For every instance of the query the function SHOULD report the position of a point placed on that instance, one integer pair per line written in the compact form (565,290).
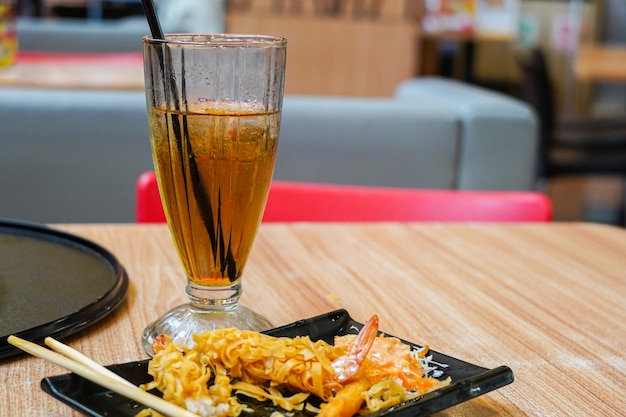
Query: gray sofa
(79,35)
(116,35)
(74,156)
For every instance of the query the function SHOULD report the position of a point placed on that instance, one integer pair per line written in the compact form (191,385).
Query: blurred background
(365,48)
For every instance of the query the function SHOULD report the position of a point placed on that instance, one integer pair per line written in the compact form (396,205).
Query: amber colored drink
(214,108)
(214,168)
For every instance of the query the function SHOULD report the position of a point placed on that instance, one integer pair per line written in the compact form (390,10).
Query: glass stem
(214,298)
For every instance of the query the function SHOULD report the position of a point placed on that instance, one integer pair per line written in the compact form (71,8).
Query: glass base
(183,321)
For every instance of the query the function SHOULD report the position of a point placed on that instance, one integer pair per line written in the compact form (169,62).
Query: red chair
(295,202)
(148,204)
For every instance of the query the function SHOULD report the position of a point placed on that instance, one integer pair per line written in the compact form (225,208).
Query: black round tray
(53,283)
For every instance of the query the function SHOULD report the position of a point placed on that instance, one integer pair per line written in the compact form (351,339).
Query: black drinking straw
(227,260)
(153,19)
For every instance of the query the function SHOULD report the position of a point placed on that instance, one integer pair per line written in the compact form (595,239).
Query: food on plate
(358,373)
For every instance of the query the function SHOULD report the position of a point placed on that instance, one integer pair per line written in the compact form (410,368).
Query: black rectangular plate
(468,380)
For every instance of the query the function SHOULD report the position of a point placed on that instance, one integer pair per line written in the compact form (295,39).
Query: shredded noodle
(290,372)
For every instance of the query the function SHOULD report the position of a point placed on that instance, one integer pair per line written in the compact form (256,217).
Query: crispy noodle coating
(286,371)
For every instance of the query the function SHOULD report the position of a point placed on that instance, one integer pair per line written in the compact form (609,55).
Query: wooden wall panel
(337,54)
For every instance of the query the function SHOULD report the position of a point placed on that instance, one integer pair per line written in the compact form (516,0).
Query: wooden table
(122,71)
(600,64)
(545,299)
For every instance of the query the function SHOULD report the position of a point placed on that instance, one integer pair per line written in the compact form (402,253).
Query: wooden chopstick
(94,372)
(68,352)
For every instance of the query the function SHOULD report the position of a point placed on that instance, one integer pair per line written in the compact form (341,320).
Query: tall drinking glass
(214,106)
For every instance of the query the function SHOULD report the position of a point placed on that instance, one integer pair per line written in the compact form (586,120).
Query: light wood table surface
(122,71)
(600,64)
(545,299)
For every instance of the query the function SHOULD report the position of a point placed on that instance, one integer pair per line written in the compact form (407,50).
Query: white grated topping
(430,367)
(207,407)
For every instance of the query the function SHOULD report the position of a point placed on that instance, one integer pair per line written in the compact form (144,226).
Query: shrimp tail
(346,366)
